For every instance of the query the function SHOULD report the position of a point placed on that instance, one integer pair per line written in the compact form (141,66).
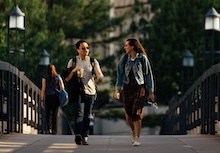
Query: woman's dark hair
(79,42)
(137,46)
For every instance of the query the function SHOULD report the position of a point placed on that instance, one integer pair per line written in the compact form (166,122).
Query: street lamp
(45,58)
(16,23)
(187,70)
(44,62)
(42,66)
(212,23)
(188,59)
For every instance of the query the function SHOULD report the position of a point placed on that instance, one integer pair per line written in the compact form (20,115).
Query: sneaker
(85,141)
(78,139)
(136,142)
(132,137)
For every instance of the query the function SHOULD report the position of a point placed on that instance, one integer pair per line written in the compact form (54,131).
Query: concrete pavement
(27,143)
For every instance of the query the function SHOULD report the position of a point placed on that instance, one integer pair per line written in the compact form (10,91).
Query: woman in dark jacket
(51,84)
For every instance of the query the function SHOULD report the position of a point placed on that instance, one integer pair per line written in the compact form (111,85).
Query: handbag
(63,98)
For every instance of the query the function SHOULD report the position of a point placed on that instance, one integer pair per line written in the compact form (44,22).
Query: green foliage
(51,25)
(152,120)
(177,26)
(80,18)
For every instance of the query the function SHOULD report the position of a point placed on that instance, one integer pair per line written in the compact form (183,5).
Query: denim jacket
(122,75)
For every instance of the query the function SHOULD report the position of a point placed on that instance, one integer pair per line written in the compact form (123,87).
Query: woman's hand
(140,112)
(151,97)
(117,94)
(77,68)
(42,104)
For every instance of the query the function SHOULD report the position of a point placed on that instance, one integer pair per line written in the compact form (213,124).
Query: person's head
(51,70)
(82,48)
(134,45)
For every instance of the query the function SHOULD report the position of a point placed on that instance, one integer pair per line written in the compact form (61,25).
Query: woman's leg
(129,121)
(54,113)
(48,109)
(137,127)
(131,124)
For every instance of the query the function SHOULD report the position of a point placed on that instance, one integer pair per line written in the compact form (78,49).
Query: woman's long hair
(51,71)
(137,46)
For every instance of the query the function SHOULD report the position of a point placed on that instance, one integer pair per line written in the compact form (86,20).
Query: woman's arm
(120,73)
(98,71)
(43,89)
(74,70)
(61,84)
(150,80)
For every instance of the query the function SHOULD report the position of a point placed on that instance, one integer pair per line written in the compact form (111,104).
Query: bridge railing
(198,110)
(20,109)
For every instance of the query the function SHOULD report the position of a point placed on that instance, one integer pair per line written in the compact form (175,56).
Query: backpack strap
(74,62)
(92,62)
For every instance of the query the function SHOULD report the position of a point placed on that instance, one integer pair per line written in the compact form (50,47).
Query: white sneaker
(136,142)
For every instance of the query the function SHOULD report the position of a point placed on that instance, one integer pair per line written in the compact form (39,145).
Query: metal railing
(198,111)
(20,109)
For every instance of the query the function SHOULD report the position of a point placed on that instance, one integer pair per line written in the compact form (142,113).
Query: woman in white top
(83,91)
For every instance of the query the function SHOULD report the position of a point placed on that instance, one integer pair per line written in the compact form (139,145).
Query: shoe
(132,137)
(78,139)
(85,141)
(136,142)
(49,131)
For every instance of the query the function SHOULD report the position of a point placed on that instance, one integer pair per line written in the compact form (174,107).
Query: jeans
(81,112)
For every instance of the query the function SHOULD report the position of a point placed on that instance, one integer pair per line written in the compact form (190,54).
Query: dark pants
(51,106)
(91,129)
(81,113)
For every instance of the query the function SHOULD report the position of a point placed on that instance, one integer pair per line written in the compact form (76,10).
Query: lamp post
(16,24)
(44,62)
(187,70)
(212,24)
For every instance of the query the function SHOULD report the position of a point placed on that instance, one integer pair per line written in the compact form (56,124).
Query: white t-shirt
(87,78)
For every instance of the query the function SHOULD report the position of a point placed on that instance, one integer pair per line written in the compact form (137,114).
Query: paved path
(22,143)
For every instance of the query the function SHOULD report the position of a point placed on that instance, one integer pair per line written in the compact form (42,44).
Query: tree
(177,26)
(53,24)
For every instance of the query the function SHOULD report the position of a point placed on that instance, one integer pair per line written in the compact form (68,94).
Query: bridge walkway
(27,143)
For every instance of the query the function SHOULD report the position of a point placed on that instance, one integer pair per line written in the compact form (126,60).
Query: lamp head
(16,19)
(188,59)
(45,58)
(212,20)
